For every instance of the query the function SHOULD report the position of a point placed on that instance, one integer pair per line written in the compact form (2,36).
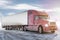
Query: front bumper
(52,28)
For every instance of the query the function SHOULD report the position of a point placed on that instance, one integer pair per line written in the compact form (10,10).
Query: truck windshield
(41,17)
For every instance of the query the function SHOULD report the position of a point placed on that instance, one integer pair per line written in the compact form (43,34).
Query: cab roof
(35,12)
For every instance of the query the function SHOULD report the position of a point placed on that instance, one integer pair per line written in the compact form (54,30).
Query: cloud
(1,14)
(34,7)
(24,6)
(11,13)
(4,3)
(54,12)
(55,9)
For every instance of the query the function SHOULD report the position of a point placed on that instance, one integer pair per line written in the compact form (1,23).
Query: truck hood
(51,20)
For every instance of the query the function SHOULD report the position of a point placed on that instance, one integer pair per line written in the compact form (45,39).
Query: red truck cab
(38,21)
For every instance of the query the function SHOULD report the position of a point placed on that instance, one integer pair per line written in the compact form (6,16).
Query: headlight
(46,25)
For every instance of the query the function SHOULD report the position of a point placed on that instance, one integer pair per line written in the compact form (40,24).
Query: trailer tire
(40,29)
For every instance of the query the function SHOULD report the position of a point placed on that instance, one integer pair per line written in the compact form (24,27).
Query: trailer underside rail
(14,27)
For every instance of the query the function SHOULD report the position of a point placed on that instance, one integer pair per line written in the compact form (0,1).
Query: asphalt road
(23,35)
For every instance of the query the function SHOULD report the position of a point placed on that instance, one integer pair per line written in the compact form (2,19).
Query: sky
(10,7)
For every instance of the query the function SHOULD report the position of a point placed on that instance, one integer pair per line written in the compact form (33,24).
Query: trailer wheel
(40,29)
(6,28)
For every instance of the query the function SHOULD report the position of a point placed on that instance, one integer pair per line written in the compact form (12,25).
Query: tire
(24,29)
(6,28)
(40,29)
(53,31)
(21,28)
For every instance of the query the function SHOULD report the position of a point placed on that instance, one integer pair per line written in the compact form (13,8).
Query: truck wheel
(21,28)
(53,31)
(40,29)
(24,29)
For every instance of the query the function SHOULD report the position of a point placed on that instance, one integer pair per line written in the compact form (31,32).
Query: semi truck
(32,20)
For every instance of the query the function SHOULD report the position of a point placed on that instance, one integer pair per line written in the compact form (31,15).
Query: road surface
(23,35)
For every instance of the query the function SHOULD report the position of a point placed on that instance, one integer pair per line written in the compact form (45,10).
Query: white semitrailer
(17,19)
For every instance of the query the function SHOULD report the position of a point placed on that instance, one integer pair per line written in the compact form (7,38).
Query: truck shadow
(38,32)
